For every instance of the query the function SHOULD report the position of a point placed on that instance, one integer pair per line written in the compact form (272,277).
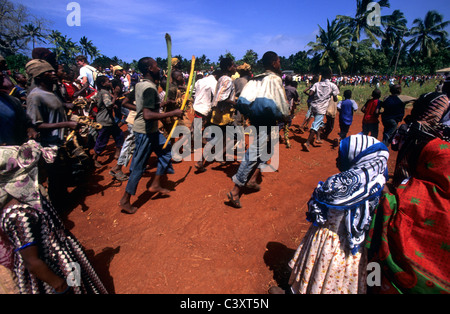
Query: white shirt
(204,92)
(85,72)
(323,91)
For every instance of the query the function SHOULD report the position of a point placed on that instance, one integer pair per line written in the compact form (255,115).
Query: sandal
(234,203)
(119,175)
(200,168)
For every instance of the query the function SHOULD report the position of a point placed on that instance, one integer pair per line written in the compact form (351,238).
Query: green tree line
(346,44)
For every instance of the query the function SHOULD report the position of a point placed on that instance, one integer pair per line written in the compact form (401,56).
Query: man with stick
(148,139)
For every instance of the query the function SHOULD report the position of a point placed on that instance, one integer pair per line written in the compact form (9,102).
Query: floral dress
(323,264)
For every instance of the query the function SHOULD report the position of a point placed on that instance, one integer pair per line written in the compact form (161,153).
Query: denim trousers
(254,157)
(146,144)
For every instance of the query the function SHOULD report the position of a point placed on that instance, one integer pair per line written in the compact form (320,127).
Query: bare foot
(127,208)
(159,189)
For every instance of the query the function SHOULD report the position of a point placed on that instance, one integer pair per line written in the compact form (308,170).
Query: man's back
(204,91)
(264,100)
(394,108)
(323,91)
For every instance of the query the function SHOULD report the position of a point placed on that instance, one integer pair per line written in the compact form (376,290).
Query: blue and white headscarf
(356,189)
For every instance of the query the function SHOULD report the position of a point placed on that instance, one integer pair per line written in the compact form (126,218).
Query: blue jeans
(145,145)
(253,157)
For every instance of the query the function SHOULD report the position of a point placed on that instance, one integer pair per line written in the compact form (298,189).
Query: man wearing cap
(47,112)
(44,107)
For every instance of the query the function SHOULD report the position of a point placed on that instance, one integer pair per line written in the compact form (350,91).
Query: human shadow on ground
(101,263)
(165,182)
(277,257)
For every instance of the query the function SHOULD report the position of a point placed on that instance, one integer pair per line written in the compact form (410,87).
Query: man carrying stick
(148,139)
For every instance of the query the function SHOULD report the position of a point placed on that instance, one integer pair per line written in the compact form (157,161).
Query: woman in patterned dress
(46,257)
(331,258)
(409,238)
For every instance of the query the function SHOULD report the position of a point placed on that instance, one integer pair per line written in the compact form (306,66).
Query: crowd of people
(371,80)
(56,121)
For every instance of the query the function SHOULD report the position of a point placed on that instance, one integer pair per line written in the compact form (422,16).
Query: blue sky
(131,29)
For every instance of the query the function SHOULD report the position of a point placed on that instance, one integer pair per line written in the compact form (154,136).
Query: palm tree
(34,33)
(332,44)
(88,48)
(426,33)
(359,24)
(394,31)
(94,52)
(65,49)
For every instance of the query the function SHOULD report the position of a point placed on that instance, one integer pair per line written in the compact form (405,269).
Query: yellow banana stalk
(186,96)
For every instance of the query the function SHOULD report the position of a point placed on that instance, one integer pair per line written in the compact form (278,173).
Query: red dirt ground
(191,242)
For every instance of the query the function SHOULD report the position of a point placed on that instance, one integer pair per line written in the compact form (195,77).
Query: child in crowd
(371,111)
(346,109)
(105,103)
(308,116)
(392,113)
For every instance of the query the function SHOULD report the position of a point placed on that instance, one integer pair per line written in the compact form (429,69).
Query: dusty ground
(192,241)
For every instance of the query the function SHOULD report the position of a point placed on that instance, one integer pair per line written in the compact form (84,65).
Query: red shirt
(369,115)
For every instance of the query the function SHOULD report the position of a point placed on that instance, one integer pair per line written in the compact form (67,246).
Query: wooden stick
(186,95)
(169,64)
